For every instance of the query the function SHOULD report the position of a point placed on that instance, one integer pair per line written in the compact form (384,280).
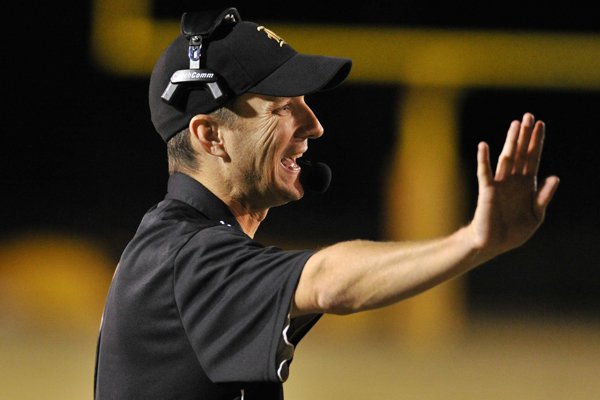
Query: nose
(309,125)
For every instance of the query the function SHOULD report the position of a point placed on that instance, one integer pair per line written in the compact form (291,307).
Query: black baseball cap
(235,57)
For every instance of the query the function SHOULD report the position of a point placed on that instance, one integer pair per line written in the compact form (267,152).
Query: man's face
(268,138)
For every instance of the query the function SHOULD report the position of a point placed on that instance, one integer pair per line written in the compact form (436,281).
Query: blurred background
(82,164)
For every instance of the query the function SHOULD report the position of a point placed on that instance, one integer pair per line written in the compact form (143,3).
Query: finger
(535,149)
(484,169)
(545,195)
(507,157)
(523,143)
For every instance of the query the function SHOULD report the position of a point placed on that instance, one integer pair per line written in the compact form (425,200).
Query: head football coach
(198,309)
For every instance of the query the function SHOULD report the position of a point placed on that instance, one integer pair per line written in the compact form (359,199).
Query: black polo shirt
(197,309)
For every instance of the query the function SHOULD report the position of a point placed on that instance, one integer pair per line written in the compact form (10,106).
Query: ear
(205,132)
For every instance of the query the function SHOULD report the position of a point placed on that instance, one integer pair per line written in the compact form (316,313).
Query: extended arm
(359,275)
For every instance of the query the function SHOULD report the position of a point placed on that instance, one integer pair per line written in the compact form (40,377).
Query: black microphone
(315,176)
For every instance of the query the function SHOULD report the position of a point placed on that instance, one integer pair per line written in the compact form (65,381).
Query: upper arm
(306,298)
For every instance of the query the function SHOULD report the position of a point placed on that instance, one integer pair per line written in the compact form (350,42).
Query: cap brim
(304,74)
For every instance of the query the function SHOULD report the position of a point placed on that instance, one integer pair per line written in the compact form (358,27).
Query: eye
(285,109)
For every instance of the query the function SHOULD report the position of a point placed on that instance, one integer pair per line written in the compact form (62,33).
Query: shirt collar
(184,188)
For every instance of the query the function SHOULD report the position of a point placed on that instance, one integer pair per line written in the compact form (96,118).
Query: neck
(247,216)
(249,219)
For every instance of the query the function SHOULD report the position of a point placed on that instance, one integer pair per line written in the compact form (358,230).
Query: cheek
(268,151)
(269,156)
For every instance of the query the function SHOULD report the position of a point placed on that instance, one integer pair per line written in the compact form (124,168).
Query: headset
(197,28)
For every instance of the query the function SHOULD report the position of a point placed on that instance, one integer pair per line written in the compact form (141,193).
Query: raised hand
(510,205)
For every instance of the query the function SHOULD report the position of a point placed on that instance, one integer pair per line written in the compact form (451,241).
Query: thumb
(544,196)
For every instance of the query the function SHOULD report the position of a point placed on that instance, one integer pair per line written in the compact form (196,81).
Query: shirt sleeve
(234,297)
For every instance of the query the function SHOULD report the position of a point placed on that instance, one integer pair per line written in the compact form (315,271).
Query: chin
(298,189)
(288,195)
(298,194)
(289,188)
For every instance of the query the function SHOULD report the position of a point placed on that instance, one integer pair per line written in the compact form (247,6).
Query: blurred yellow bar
(425,198)
(126,40)
(433,57)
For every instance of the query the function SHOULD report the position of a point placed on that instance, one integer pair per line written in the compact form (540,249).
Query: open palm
(510,205)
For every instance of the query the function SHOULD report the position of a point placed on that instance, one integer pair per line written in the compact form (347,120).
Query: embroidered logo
(272,35)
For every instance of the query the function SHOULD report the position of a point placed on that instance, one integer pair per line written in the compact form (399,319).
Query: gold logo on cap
(272,35)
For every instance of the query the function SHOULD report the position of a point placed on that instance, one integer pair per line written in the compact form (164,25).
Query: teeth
(290,163)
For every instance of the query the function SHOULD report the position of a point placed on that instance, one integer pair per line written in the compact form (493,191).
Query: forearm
(359,275)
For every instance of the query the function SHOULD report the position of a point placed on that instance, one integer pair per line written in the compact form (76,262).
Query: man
(199,310)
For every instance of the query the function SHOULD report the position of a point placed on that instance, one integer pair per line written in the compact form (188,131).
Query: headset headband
(197,28)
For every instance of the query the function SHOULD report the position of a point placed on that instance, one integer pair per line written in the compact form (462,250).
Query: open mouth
(289,162)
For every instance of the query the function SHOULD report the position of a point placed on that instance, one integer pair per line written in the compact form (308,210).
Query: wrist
(476,247)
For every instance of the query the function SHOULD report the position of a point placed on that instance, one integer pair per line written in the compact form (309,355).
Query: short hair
(181,155)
